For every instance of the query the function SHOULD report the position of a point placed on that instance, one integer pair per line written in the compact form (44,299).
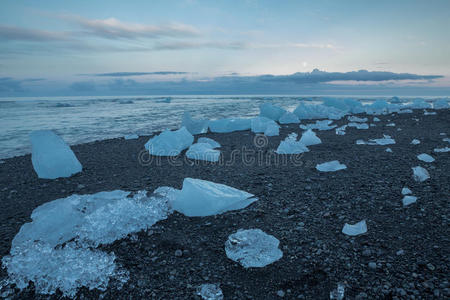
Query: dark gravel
(404,254)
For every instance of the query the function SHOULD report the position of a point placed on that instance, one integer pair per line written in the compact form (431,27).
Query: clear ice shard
(355,229)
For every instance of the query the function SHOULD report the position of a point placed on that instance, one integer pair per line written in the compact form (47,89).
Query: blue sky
(192,46)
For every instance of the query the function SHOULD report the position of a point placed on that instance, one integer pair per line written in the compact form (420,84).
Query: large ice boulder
(203,151)
(318,111)
(253,248)
(271,111)
(51,156)
(309,138)
(194,126)
(440,104)
(199,198)
(289,118)
(229,125)
(170,143)
(259,124)
(290,145)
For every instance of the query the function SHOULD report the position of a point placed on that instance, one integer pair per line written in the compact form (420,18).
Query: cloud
(125,74)
(83,86)
(10,33)
(8,85)
(196,45)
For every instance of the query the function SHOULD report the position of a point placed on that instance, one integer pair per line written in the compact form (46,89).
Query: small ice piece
(415,142)
(356,119)
(199,198)
(210,291)
(203,151)
(320,125)
(391,125)
(259,124)
(429,113)
(358,125)
(229,125)
(338,293)
(170,143)
(388,150)
(131,136)
(425,157)
(375,119)
(331,166)
(356,229)
(206,140)
(441,150)
(360,142)
(341,130)
(289,118)
(271,111)
(446,140)
(420,174)
(309,138)
(51,156)
(407,200)
(272,129)
(253,248)
(406,191)
(194,126)
(290,145)
(386,140)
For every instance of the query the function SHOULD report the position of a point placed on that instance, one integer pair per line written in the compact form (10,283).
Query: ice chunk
(406,191)
(357,119)
(388,150)
(395,99)
(420,174)
(347,105)
(203,151)
(209,141)
(288,118)
(358,125)
(440,150)
(405,111)
(341,130)
(415,142)
(386,140)
(320,125)
(356,229)
(272,129)
(330,166)
(361,142)
(170,143)
(309,138)
(446,140)
(391,125)
(425,157)
(200,198)
(51,156)
(375,119)
(338,293)
(419,103)
(194,126)
(407,200)
(229,125)
(441,103)
(253,248)
(319,111)
(291,146)
(271,111)
(429,113)
(210,291)
(131,137)
(259,124)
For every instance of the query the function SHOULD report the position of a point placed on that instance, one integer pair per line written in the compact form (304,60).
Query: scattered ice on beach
(210,291)
(320,125)
(415,142)
(271,111)
(290,145)
(289,118)
(309,138)
(388,150)
(420,103)
(170,143)
(229,125)
(272,129)
(209,141)
(375,119)
(203,151)
(194,126)
(391,125)
(131,136)
(338,293)
(406,191)
(200,198)
(331,166)
(441,150)
(420,174)
(356,229)
(407,200)
(425,157)
(356,119)
(259,124)
(51,156)
(358,125)
(253,248)
(341,130)
(318,111)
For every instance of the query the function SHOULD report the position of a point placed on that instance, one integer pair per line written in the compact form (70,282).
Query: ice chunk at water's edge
(194,126)
(170,143)
(271,111)
(356,229)
(289,118)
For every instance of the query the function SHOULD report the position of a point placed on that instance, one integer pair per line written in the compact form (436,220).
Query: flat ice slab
(420,174)
(203,151)
(290,145)
(309,138)
(331,166)
(170,143)
(358,125)
(199,198)
(51,156)
(425,157)
(356,119)
(356,229)
(441,150)
(131,136)
(253,248)
(407,200)
(386,140)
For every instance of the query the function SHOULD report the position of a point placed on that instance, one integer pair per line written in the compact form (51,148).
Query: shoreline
(303,208)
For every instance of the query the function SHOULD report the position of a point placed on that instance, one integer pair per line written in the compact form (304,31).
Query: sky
(65,48)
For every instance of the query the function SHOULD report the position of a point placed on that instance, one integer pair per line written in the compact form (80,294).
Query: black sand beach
(404,254)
